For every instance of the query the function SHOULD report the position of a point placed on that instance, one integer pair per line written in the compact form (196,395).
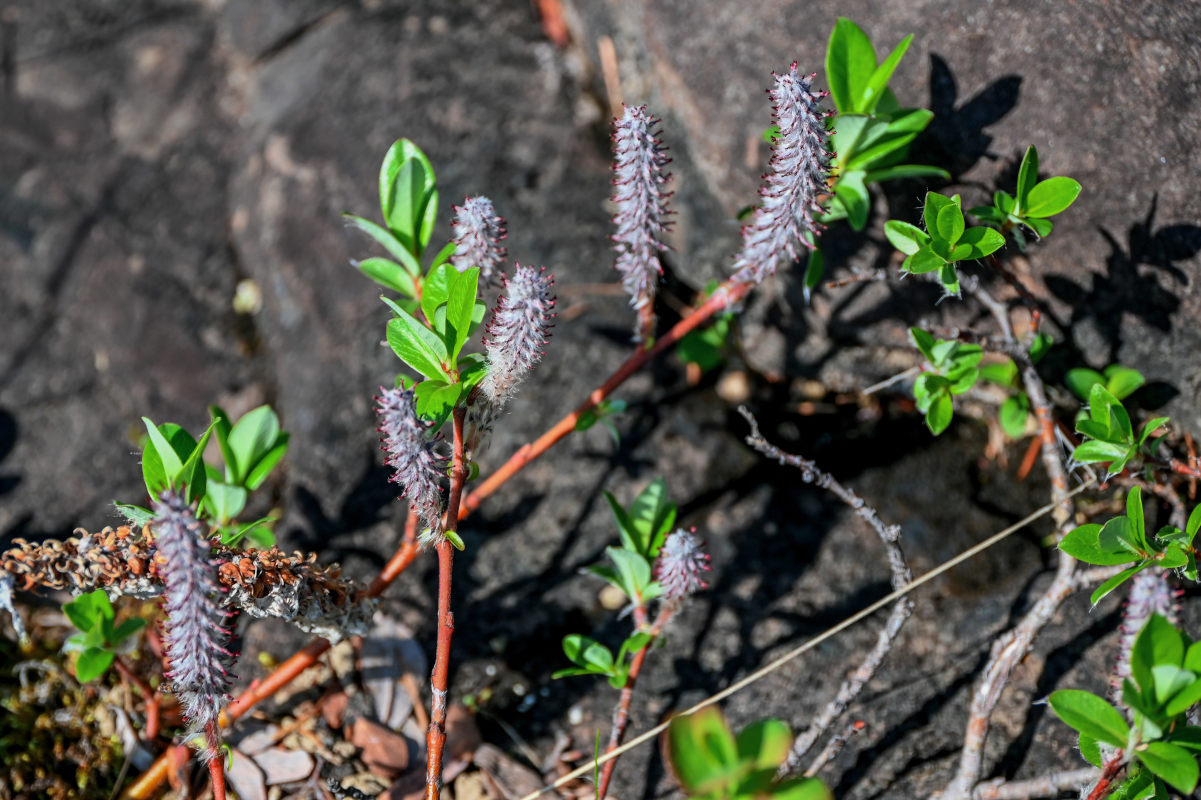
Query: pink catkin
(478,232)
(410,451)
(640,203)
(681,562)
(789,205)
(196,636)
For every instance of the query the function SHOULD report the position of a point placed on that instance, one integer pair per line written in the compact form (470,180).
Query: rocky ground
(156,155)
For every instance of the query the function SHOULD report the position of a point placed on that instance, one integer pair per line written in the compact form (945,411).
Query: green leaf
(89,610)
(981,242)
(1013,415)
(924,260)
(815,267)
(444,255)
(702,752)
(1041,227)
(1099,453)
(250,439)
(1050,197)
(1174,764)
(1081,380)
(389,242)
(417,345)
(1194,523)
(1134,513)
(1040,347)
(1117,534)
(1123,381)
(135,515)
(949,279)
(1027,177)
(647,514)
(633,570)
(1185,698)
(765,743)
(949,223)
(625,526)
(192,473)
(873,90)
(389,274)
(1004,202)
(1090,748)
(934,205)
(905,237)
(850,64)
(1159,643)
(163,455)
(221,428)
(939,415)
(436,400)
(459,308)
(923,341)
(1091,715)
(1004,373)
(436,289)
(1151,427)
(92,663)
(1083,543)
(127,628)
(224,501)
(906,171)
(408,195)
(851,192)
(570,672)
(588,653)
(262,468)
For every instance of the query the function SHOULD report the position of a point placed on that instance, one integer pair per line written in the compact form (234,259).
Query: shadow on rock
(1125,289)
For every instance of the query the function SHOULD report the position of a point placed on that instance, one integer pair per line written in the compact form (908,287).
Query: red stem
(152,711)
(1108,773)
(216,761)
(435,737)
(621,717)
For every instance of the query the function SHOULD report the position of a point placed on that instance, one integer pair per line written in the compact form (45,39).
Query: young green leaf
(1091,715)
(1027,177)
(251,438)
(417,345)
(873,90)
(949,223)
(408,195)
(192,473)
(940,413)
(980,242)
(389,242)
(1013,415)
(1177,766)
(905,237)
(92,663)
(702,753)
(588,653)
(459,307)
(1082,543)
(851,192)
(389,274)
(850,64)
(1050,197)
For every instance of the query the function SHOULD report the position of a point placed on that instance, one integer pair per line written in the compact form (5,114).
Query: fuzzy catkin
(796,177)
(519,329)
(640,203)
(478,231)
(410,451)
(196,636)
(681,561)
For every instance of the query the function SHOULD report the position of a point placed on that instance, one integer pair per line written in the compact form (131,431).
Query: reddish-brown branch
(621,715)
(216,761)
(152,711)
(1110,771)
(726,295)
(435,737)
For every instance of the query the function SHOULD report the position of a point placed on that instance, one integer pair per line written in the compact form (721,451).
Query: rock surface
(155,155)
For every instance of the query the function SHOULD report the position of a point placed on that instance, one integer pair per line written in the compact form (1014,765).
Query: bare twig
(890,535)
(900,376)
(621,714)
(1045,786)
